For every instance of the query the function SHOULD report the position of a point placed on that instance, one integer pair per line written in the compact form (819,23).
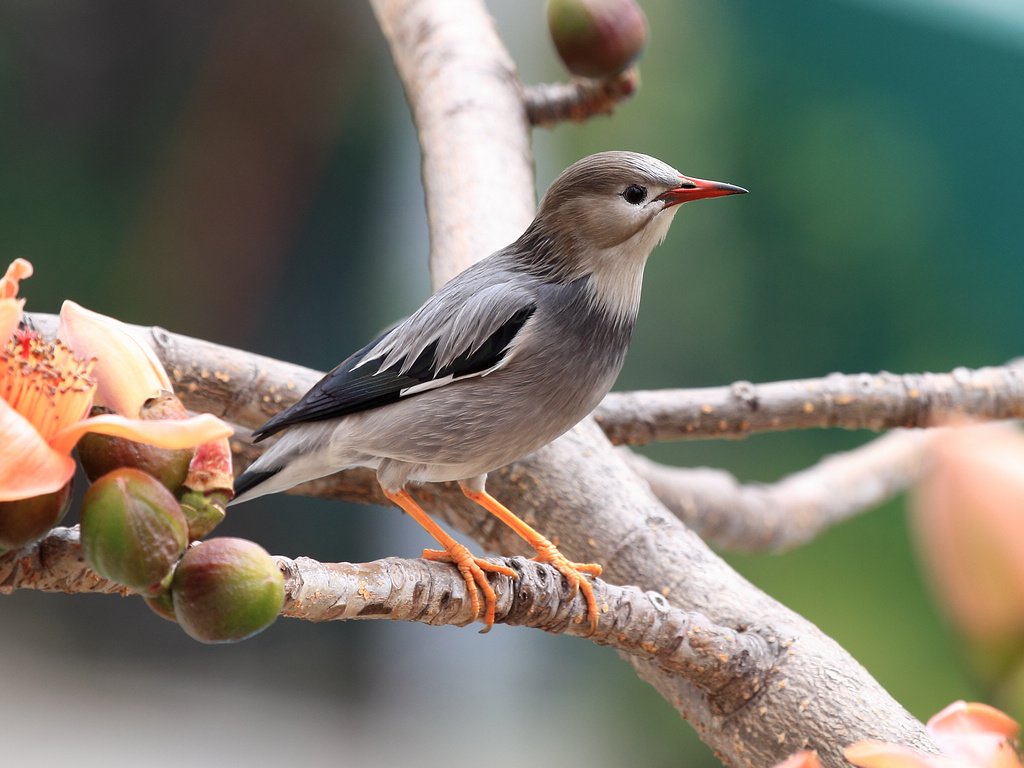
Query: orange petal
(972,732)
(10,316)
(1006,757)
(127,371)
(17,271)
(805,758)
(878,754)
(28,465)
(165,434)
(973,717)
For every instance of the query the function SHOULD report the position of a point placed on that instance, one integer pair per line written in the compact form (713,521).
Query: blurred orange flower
(969,735)
(968,516)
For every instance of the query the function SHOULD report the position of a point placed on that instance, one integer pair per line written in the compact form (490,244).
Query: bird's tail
(249,481)
(300,455)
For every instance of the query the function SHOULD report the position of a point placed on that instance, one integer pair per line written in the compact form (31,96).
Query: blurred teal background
(247,172)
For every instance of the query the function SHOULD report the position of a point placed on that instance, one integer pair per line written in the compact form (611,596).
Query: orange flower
(45,393)
(969,735)
(127,371)
(968,516)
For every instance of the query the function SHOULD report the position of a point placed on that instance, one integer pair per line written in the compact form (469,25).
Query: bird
(503,359)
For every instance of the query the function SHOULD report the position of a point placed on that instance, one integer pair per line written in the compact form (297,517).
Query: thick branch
(580,99)
(852,401)
(731,667)
(467,102)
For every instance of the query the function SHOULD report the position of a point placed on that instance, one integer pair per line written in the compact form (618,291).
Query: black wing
(355,386)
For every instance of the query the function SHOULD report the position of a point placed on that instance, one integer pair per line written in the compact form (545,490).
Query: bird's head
(604,214)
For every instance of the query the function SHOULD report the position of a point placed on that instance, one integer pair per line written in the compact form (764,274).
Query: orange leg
(546,551)
(472,568)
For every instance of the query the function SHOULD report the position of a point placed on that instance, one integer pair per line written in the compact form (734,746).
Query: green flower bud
(162,605)
(100,454)
(226,590)
(597,38)
(203,511)
(25,520)
(133,531)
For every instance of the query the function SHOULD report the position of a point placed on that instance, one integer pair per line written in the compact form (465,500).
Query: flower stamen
(45,383)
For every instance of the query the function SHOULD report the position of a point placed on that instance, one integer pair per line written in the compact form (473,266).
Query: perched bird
(506,357)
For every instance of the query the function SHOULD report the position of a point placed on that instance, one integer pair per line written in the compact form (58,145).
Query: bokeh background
(247,172)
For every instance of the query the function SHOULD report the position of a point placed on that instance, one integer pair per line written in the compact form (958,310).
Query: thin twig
(579,99)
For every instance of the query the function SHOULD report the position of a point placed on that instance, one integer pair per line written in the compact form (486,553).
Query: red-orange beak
(695,189)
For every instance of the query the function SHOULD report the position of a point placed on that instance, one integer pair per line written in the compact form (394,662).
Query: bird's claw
(573,572)
(474,572)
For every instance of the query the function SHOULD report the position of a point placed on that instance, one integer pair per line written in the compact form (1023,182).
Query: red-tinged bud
(100,454)
(25,520)
(226,590)
(597,38)
(203,511)
(211,470)
(133,531)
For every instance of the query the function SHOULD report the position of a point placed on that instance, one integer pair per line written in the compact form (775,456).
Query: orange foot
(573,572)
(546,551)
(473,570)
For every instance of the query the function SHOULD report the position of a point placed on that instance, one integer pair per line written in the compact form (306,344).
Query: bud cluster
(138,519)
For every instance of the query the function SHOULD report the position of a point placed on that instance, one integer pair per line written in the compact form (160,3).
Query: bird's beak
(695,189)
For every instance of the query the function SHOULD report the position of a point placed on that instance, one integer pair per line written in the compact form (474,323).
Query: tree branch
(730,666)
(580,99)
(796,509)
(467,102)
(851,401)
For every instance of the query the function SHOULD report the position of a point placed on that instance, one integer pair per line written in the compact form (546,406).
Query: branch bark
(580,99)
(729,666)
(851,401)
(794,511)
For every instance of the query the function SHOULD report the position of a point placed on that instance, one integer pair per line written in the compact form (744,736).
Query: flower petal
(878,754)
(28,465)
(127,371)
(165,434)
(17,271)
(972,732)
(805,758)
(10,316)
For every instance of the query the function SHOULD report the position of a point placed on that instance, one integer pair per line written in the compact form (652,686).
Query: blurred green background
(247,172)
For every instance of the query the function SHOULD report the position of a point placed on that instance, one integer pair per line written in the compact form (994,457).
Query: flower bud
(25,520)
(597,38)
(100,454)
(133,531)
(162,605)
(226,590)
(203,511)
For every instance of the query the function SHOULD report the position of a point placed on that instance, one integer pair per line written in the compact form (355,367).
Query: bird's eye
(634,194)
